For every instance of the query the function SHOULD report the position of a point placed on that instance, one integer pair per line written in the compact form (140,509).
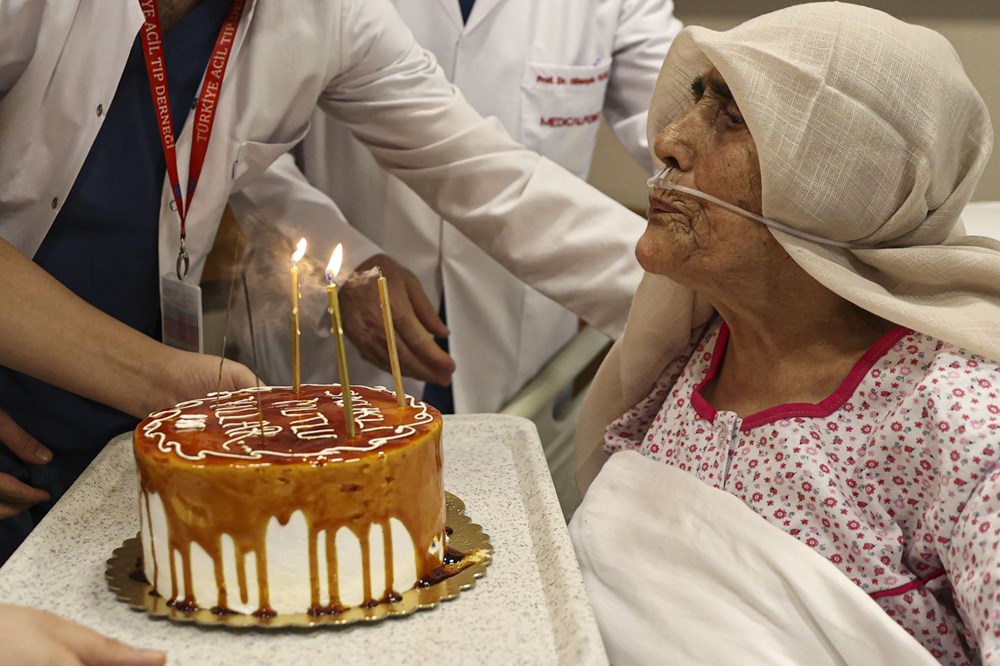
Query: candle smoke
(266,266)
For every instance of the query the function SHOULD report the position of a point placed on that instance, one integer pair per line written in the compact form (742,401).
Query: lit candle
(300,251)
(337,329)
(390,338)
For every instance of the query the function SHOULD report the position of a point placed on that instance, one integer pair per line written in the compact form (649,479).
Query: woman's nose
(674,144)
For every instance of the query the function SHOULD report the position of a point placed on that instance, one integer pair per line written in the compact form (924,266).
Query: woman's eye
(726,119)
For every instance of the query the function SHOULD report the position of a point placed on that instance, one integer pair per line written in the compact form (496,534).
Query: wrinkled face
(710,148)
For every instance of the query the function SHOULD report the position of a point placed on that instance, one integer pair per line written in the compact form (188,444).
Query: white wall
(972,26)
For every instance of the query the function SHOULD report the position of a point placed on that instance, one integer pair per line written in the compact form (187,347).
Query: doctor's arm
(646,28)
(282,198)
(49,333)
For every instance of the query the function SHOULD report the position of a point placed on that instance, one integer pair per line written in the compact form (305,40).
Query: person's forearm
(47,332)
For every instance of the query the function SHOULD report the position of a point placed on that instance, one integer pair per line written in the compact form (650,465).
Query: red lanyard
(204,118)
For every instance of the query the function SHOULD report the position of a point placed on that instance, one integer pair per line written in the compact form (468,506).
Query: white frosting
(194,422)
(287,554)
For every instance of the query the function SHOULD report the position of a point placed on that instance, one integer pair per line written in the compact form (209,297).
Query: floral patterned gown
(893,478)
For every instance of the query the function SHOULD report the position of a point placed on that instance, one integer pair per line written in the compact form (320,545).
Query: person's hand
(29,636)
(189,375)
(15,496)
(199,375)
(414,317)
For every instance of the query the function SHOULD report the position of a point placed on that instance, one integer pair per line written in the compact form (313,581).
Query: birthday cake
(257,501)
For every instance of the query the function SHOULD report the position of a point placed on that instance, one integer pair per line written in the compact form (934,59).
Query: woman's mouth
(658,206)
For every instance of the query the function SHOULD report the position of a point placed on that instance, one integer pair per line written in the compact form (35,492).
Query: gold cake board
(463,535)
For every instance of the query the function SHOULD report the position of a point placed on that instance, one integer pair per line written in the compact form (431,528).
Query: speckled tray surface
(463,535)
(533,610)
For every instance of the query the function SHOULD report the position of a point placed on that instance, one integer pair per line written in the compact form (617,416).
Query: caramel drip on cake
(263,591)
(241,576)
(185,552)
(333,583)
(219,478)
(366,567)
(220,579)
(389,592)
(173,576)
(313,570)
(144,524)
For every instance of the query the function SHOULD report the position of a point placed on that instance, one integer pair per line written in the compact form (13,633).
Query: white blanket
(682,573)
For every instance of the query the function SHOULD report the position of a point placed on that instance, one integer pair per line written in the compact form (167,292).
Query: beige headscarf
(868,131)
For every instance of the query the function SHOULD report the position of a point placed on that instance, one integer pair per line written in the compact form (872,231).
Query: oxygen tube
(661,181)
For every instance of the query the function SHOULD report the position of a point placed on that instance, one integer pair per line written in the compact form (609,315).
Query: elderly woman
(815,342)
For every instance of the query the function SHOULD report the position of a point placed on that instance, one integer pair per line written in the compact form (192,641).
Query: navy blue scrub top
(103,247)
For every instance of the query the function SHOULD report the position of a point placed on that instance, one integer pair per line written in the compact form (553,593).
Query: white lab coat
(546,69)
(60,62)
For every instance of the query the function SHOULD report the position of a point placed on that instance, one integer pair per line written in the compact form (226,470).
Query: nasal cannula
(662,181)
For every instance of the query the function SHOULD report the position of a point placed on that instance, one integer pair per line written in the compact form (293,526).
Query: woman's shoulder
(941,360)
(949,413)
(950,394)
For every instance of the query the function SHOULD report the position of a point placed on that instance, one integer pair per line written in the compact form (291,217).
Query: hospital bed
(552,400)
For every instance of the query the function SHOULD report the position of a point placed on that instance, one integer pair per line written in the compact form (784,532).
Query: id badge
(180,305)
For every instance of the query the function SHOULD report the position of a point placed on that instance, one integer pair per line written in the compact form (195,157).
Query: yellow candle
(300,251)
(390,339)
(337,330)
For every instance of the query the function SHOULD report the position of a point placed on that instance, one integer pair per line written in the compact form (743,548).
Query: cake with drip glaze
(256,501)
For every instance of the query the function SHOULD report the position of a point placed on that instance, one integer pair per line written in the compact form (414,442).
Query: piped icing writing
(305,426)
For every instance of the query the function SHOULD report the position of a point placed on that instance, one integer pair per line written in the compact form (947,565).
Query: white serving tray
(530,608)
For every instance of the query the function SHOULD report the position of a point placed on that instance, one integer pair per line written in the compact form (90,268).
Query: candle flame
(336,259)
(300,251)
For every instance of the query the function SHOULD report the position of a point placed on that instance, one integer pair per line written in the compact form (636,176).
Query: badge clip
(183,262)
